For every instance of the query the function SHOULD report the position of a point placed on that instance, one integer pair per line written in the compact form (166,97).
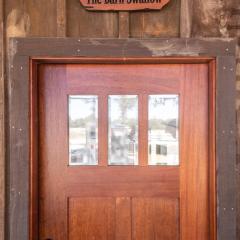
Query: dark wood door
(124,152)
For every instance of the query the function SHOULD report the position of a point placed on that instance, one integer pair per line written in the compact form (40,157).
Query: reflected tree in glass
(83,130)
(163,117)
(123,130)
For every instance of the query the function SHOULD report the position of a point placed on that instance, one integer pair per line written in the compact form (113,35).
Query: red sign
(122,5)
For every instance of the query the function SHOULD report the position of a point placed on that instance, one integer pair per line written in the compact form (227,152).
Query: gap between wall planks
(2,135)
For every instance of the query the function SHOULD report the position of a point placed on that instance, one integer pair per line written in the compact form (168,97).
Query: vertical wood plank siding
(67,18)
(61,18)
(81,23)
(220,19)
(186,18)
(123,25)
(164,23)
(2,134)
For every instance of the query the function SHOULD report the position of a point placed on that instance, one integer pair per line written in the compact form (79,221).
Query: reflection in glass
(83,130)
(123,130)
(163,130)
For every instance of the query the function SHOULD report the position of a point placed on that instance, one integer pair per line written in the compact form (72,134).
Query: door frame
(22,146)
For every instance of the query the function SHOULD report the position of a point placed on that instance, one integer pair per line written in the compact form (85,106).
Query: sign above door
(122,5)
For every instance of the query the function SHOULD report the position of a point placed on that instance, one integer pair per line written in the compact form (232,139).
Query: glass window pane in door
(83,130)
(123,130)
(163,131)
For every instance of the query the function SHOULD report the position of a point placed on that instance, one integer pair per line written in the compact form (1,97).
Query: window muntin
(163,131)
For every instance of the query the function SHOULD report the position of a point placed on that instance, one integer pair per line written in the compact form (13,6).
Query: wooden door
(124,152)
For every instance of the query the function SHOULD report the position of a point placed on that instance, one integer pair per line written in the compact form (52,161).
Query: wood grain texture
(2,124)
(81,23)
(123,24)
(238,174)
(124,47)
(123,221)
(18,191)
(123,5)
(226,183)
(202,48)
(143,130)
(238,138)
(52,159)
(155,218)
(164,23)
(219,18)
(58,81)
(92,218)
(234,30)
(120,182)
(100,218)
(28,18)
(103,137)
(186,18)
(194,196)
(212,149)
(114,76)
(33,167)
(234,22)
(123,218)
(211,18)
(23,18)
(61,18)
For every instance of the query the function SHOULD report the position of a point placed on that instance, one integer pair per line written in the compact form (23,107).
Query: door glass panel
(163,144)
(83,130)
(123,130)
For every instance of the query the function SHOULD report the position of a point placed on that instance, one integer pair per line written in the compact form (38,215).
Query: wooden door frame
(27,53)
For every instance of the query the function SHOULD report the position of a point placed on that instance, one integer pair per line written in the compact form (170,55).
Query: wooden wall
(66,18)
(212,18)
(2,147)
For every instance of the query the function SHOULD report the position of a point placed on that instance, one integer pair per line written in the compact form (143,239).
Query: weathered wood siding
(164,23)
(2,148)
(213,18)
(81,23)
(60,18)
